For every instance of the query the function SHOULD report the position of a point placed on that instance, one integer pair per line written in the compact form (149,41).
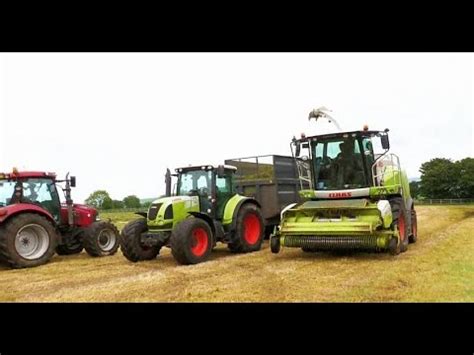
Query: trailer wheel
(191,241)
(131,246)
(101,239)
(250,230)
(27,240)
(399,221)
(414,227)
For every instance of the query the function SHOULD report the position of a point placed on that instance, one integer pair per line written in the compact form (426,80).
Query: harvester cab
(354,196)
(34,224)
(202,210)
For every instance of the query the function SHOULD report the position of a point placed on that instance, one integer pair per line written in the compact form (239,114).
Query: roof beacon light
(303,135)
(366,127)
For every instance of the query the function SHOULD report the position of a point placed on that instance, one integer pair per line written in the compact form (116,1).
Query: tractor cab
(213,185)
(342,161)
(39,189)
(34,188)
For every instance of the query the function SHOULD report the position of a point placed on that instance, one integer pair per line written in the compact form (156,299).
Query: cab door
(224,190)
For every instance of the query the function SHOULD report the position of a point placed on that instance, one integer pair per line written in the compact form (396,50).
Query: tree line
(101,199)
(445,179)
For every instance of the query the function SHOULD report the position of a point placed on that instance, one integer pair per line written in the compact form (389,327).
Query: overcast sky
(117,120)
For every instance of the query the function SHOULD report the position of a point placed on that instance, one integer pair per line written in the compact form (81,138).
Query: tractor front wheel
(101,239)
(131,245)
(250,230)
(27,240)
(191,241)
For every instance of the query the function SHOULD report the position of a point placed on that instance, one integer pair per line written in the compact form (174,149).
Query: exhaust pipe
(69,202)
(168,183)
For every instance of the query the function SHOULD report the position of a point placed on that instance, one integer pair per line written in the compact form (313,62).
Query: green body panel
(230,208)
(346,218)
(336,217)
(182,205)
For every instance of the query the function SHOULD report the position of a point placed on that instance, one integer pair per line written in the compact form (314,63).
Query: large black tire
(249,231)
(101,239)
(130,243)
(414,227)
(27,240)
(191,241)
(74,247)
(400,221)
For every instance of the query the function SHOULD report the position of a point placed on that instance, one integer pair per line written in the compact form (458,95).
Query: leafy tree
(132,201)
(443,178)
(146,204)
(117,204)
(107,204)
(415,189)
(96,199)
(465,169)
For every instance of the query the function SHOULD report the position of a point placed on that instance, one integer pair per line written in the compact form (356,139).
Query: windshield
(42,191)
(197,182)
(339,163)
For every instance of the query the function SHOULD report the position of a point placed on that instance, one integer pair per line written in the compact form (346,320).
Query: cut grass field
(438,268)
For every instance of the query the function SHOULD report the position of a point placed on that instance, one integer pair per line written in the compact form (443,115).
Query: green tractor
(352,196)
(205,210)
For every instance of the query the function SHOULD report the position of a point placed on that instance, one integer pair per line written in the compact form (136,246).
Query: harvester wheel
(393,246)
(74,247)
(250,230)
(131,245)
(414,227)
(275,244)
(101,239)
(27,240)
(191,241)
(399,215)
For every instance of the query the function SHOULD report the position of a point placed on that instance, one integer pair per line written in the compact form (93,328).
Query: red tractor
(34,224)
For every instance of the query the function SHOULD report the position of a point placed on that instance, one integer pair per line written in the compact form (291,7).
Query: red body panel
(8,211)
(84,215)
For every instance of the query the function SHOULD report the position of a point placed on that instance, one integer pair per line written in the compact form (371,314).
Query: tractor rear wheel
(249,231)
(101,239)
(74,245)
(27,240)
(414,227)
(131,245)
(399,221)
(191,241)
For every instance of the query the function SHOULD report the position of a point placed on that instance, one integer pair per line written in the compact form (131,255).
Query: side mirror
(73,181)
(385,142)
(220,171)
